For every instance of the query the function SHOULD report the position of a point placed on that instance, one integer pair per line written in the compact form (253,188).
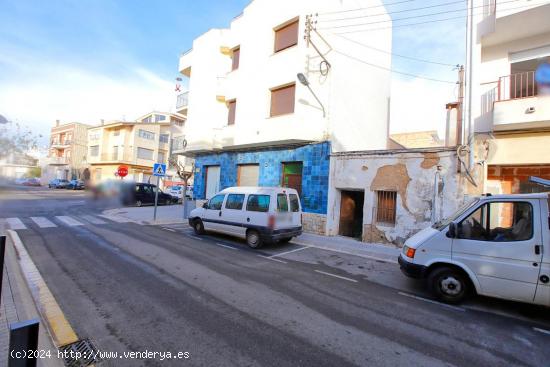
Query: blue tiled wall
(315,158)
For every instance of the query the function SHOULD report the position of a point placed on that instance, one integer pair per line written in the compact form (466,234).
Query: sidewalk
(174,214)
(17,305)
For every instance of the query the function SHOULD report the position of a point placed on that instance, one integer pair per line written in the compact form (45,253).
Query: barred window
(386,207)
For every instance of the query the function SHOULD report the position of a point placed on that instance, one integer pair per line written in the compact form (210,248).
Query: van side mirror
(205,205)
(452,230)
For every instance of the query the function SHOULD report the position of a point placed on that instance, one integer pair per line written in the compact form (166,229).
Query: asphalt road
(130,287)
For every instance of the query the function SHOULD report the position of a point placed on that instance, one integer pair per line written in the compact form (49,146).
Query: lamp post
(303,79)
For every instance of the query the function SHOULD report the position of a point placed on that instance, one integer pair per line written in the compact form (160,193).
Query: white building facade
(251,121)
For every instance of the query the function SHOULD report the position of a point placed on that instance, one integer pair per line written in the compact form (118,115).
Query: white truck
(497,246)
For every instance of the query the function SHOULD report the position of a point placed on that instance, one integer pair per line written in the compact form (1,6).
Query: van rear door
(295,209)
(283,216)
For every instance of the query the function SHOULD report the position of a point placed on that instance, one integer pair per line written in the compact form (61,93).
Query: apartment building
(510,114)
(67,152)
(136,144)
(252,121)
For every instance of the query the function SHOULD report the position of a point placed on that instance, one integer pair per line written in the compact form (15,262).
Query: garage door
(212,181)
(248,175)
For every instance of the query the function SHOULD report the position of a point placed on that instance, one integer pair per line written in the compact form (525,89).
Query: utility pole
(460,114)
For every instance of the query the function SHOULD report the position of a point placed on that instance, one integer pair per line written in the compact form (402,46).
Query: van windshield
(445,222)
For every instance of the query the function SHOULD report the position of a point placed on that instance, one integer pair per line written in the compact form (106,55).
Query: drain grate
(80,354)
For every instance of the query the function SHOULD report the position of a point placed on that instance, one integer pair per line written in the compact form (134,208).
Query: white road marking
(69,221)
(43,222)
(115,218)
(273,259)
(390,261)
(291,251)
(336,276)
(169,229)
(432,301)
(547,332)
(15,223)
(195,237)
(226,246)
(92,219)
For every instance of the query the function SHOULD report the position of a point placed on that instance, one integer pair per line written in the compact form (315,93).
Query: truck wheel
(253,239)
(138,203)
(198,227)
(449,285)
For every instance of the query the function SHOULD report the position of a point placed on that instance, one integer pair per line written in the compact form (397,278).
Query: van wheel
(198,227)
(139,203)
(449,285)
(253,238)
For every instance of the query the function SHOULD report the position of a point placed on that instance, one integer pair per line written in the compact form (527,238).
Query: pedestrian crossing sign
(159,170)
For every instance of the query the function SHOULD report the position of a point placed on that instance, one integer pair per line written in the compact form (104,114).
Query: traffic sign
(159,170)
(122,171)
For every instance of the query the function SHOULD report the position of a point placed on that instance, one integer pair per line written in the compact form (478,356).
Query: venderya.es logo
(542,77)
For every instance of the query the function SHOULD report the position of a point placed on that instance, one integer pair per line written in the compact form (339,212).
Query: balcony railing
(516,86)
(61,142)
(59,160)
(183,100)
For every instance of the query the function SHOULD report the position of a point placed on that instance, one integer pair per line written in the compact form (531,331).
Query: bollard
(2,251)
(23,350)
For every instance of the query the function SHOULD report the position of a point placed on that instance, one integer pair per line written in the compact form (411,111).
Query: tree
(15,138)
(184,175)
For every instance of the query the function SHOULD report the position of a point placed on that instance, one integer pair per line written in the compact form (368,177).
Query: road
(130,287)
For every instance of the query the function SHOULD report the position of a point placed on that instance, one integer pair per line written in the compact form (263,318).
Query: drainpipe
(437,176)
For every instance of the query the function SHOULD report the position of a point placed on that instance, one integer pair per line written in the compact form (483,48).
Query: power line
(394,12)
(394,71)
(368,7)
(414,17)
(394,54)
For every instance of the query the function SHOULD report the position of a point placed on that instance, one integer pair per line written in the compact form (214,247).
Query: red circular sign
(122,171)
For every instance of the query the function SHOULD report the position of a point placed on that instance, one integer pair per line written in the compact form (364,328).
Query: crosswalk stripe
(69,221)
(115,218)
(92,219)
(43,222)
(15,223)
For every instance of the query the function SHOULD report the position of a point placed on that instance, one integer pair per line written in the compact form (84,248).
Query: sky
(87,60)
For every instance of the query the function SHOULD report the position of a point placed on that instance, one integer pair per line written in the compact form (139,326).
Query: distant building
(17,165)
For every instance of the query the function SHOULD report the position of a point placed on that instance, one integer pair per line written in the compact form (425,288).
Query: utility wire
(394,54)
(415,16)
(394,71)
(393,12)
(368,7)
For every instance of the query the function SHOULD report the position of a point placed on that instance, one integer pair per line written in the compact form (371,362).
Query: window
(92,136)
(386,208)
(248,174)
(282,203)
(216,202)
(161,157)
(164,138)
(498,222)
(159,118)
(143,153)
(286,36)
(234,201)
(146,134)
(236,56)
(232,109)
(294,203)
(94,150)
(258,203)
(292,176)
(282,100)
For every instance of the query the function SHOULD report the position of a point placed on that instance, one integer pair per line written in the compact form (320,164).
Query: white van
(497,246)
(258,214)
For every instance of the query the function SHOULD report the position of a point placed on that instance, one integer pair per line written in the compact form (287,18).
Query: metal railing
(183,100)
(59,160)
(61,142)
(516,86)
(384,213)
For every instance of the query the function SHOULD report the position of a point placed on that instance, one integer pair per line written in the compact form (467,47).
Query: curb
(54,319)
(386,260)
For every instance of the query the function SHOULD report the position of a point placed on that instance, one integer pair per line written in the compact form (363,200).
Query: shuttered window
(232,110)
(236,56)
(282,100)
(286,36)
(248,175)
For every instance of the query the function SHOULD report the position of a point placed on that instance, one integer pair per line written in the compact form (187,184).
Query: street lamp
(303,79)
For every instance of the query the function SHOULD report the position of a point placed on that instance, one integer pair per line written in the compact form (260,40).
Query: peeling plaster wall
(410,173)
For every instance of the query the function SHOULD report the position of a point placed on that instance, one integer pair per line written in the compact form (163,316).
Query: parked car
(497,246)
(258,214)
(32,182)
(58,183)
(76,185)
(144,194)
(177,192)
(20,181)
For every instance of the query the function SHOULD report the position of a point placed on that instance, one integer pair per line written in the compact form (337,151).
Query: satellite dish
(3,120)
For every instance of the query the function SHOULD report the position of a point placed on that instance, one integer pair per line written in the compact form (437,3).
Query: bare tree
(15,138)
(185,175)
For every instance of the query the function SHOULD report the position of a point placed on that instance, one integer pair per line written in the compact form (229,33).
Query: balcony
(518,105)
(60,144)
(59,161)
(182,102)
(185,63)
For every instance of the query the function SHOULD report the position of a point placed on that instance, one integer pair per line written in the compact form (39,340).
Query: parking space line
(195,237)
(336,276)
(169,229)
(226,246)
(273,259)
(289,252)
(456,308)
(547,332)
